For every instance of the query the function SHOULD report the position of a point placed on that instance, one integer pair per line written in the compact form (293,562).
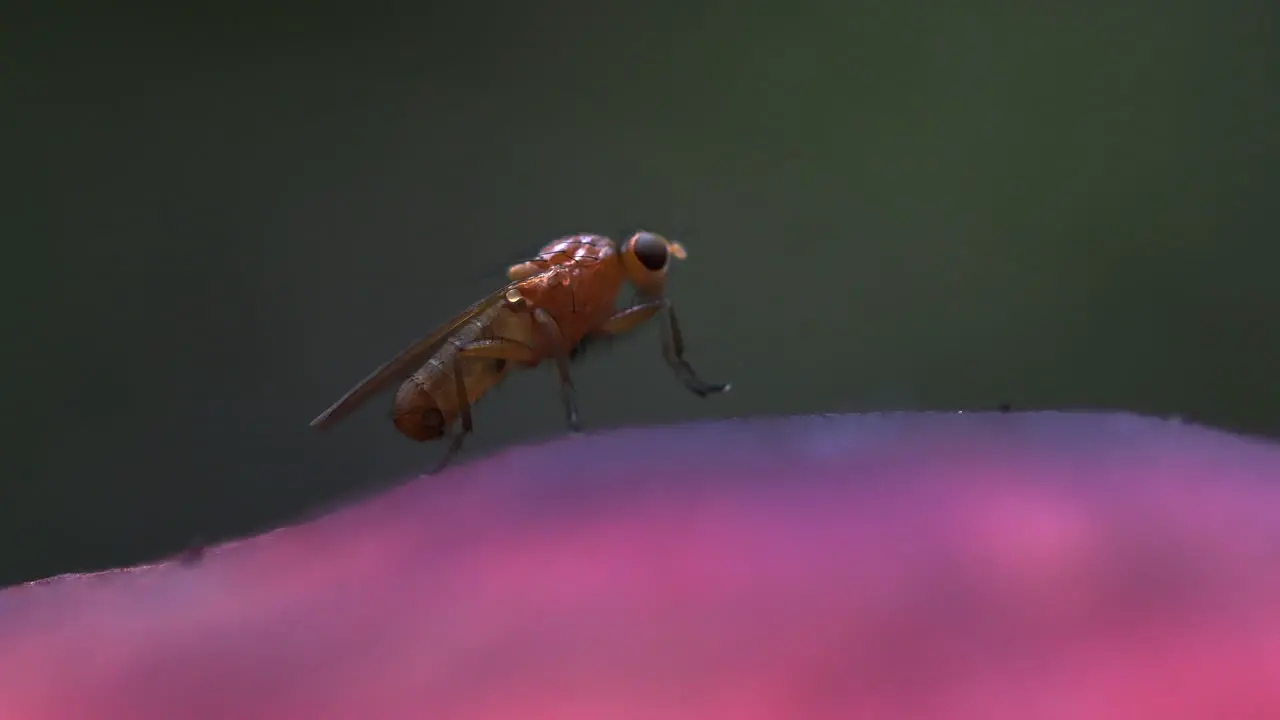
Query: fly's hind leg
(560,351)
(501,349)
(464,412)
(628,319)
(498,349)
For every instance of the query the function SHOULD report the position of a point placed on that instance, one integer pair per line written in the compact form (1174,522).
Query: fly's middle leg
(560,353)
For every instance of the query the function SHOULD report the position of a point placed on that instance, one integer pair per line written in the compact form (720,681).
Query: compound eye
(651,250)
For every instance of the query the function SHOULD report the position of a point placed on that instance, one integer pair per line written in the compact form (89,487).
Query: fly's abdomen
(428,402)
(416,413)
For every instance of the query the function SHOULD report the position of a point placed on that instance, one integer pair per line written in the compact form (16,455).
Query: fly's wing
(402,365)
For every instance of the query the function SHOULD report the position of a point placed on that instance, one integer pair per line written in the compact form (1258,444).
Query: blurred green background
(217,220)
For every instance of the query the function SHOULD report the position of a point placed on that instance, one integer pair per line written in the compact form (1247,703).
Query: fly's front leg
(630,318)
(560,354)
(673,351)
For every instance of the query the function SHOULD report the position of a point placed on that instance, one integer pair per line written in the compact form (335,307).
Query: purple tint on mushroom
(1003,566)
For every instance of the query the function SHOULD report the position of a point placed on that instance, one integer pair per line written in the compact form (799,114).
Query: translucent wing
(402,365)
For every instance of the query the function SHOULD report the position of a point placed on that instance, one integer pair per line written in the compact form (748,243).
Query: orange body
(575,280)
(551,304)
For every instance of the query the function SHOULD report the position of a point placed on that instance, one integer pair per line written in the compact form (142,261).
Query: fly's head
(645,259)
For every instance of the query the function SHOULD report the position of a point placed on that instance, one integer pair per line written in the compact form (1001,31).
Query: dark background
(218,220)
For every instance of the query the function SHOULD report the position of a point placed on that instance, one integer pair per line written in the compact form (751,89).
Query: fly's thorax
(578,249)
(569,251)
(577,297)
